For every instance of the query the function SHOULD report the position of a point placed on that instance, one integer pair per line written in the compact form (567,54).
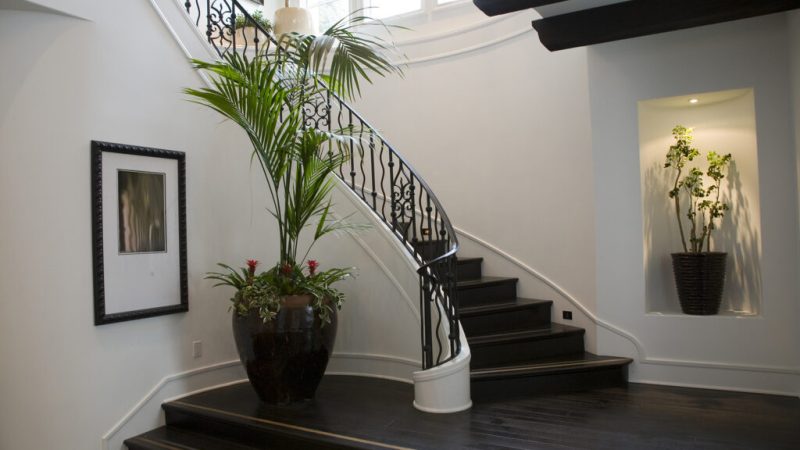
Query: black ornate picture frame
(138,232)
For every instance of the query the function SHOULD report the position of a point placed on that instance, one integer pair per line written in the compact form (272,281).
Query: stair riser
(470,270)
(499,389)
(511,320)
(488,355)
(246,433)
(482,295)
(133,444)
(430,249)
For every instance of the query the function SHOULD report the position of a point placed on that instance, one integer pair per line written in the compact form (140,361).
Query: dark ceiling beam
(497,7)
(643,17)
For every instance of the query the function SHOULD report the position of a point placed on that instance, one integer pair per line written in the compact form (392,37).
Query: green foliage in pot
(257,16)
(704,204)
(265,95)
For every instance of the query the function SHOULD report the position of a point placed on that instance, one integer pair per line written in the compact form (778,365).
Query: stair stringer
(441,389)
(445,388)
(534,284)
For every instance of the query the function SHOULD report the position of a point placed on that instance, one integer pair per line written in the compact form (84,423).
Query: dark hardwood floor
(352,412)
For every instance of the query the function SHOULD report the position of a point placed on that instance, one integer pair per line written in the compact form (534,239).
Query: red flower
(251,269)
(312,266)
(286,269)
(251,265)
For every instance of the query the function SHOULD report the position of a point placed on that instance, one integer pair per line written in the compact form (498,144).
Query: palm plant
(265,95)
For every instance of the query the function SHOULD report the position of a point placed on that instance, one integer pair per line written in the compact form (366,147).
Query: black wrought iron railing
(375,173)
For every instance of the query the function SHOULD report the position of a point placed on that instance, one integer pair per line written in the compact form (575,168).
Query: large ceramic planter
(286,357)
(700,278)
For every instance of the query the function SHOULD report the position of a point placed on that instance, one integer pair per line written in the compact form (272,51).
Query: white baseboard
(146,413)
(692,374)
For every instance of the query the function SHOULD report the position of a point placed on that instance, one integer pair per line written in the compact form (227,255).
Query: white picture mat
(140,280)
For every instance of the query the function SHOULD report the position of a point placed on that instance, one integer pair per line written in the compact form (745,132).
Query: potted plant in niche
(699,272)
(284,318)
(245,28)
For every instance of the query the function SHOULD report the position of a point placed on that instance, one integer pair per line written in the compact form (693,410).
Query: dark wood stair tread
(173,438)
(484,282)
(554,330)
(546,366)
(503,306)
(468,260)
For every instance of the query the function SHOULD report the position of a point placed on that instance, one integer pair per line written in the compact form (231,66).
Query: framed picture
(138,232)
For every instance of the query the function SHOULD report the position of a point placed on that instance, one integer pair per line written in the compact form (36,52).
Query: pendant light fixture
(292,19)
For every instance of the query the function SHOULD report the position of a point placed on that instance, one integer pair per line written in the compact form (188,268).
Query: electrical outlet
(197,349)
(567,315)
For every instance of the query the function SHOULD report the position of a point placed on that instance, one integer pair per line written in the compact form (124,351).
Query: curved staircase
(516,348)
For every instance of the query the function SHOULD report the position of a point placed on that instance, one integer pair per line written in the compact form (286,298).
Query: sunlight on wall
(723,122)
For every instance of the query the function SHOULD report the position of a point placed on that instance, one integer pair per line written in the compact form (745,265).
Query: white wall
(794,58)
(500,129)
(738,353)
(73,81)
(67,81)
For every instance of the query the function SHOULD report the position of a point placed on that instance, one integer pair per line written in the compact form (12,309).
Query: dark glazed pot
(286,357)
(700,278)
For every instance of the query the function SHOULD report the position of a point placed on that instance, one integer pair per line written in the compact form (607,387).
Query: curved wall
(500,129)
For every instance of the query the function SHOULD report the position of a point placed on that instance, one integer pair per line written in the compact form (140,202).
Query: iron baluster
(383,176)
(393,196)
(374,193)
(361,161)
(232,25)
(208,22)
(352,157)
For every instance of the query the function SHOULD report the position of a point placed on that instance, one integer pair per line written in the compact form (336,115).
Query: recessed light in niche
(703,99)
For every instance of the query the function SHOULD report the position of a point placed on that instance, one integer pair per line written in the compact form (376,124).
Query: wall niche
(725,122)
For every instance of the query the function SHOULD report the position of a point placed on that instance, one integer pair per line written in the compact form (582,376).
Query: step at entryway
(172,437)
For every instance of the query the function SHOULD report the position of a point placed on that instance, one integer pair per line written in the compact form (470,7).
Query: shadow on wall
(739,236)
(736,234)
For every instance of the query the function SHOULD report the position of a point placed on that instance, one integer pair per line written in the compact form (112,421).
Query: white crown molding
(466,50)
(458,31)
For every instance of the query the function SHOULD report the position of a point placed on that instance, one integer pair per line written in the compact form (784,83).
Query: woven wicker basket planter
(700,278)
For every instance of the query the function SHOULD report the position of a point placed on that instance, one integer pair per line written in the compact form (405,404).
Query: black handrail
(416,217)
